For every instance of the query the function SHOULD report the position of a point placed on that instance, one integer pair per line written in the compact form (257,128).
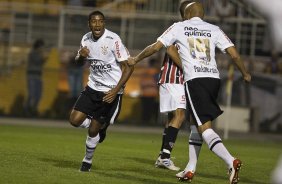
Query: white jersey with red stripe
(104,57)
(197,41)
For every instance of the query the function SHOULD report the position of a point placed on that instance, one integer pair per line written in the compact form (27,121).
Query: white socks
(195,144)
(215,144)
(91,143)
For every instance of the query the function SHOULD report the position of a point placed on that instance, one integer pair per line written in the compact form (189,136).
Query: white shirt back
(104,57)
(197,41)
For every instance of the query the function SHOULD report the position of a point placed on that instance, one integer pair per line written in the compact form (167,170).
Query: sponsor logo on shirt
(98,67)
(205,69)
(193,31)
(117,49)
(101,84)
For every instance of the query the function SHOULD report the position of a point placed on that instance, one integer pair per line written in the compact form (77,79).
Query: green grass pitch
(52,155)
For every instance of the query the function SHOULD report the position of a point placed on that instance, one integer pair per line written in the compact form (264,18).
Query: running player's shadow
(201,174)
(61,163)
(242,179)
(142,160)
(132,178)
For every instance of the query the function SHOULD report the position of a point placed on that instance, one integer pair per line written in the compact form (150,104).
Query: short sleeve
(81,45)
(120,51)
(168,37)
(222,41)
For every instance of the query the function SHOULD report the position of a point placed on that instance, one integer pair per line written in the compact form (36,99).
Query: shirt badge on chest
(104,50)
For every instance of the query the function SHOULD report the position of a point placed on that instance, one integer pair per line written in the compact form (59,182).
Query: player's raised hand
(84,51)
(247,77)
(131,61)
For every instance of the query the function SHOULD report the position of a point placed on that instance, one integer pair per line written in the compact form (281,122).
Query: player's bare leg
(77,118)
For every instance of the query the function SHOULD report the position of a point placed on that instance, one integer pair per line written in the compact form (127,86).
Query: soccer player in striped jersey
(101,99)
(197,42)
(172,101)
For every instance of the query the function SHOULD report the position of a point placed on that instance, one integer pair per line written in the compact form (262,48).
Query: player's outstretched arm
(173,54)
(239,63)
(126,73)
(148,51)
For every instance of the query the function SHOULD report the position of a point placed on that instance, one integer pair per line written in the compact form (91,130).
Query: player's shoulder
(211,26)
(86,36)
(177,24)
(110,35)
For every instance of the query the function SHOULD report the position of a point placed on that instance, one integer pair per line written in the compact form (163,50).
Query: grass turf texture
(46,155)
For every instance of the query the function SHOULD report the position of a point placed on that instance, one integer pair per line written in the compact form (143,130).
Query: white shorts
(172,97)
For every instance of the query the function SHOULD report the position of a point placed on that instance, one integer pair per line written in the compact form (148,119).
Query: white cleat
(157,163)
(167,163)
(185,176)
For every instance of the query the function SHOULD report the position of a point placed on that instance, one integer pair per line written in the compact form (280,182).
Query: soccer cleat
(157,163)
(234,171)
(185,176)
(85,167)
(103,132)
(167,163)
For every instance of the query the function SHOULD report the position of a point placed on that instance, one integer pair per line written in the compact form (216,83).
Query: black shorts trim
(202,95)
(90,102)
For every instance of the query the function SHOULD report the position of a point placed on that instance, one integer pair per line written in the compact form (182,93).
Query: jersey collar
(92,38)
(196,18)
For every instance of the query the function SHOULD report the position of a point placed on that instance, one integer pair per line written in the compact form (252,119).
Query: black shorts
(201,94)
(90,102)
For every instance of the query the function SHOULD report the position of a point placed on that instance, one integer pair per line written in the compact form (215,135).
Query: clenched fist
(84,52)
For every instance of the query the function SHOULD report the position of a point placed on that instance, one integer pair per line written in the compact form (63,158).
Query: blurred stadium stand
(139,23)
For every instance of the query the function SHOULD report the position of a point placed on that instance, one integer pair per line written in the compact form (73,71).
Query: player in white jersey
(101,99)
(172,101)
(197,41)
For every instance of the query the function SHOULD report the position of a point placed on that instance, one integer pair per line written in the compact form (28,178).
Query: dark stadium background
(256,109)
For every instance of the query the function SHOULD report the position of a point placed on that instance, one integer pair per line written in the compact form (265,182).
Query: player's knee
(180,116)
(74,121)
(204,127)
